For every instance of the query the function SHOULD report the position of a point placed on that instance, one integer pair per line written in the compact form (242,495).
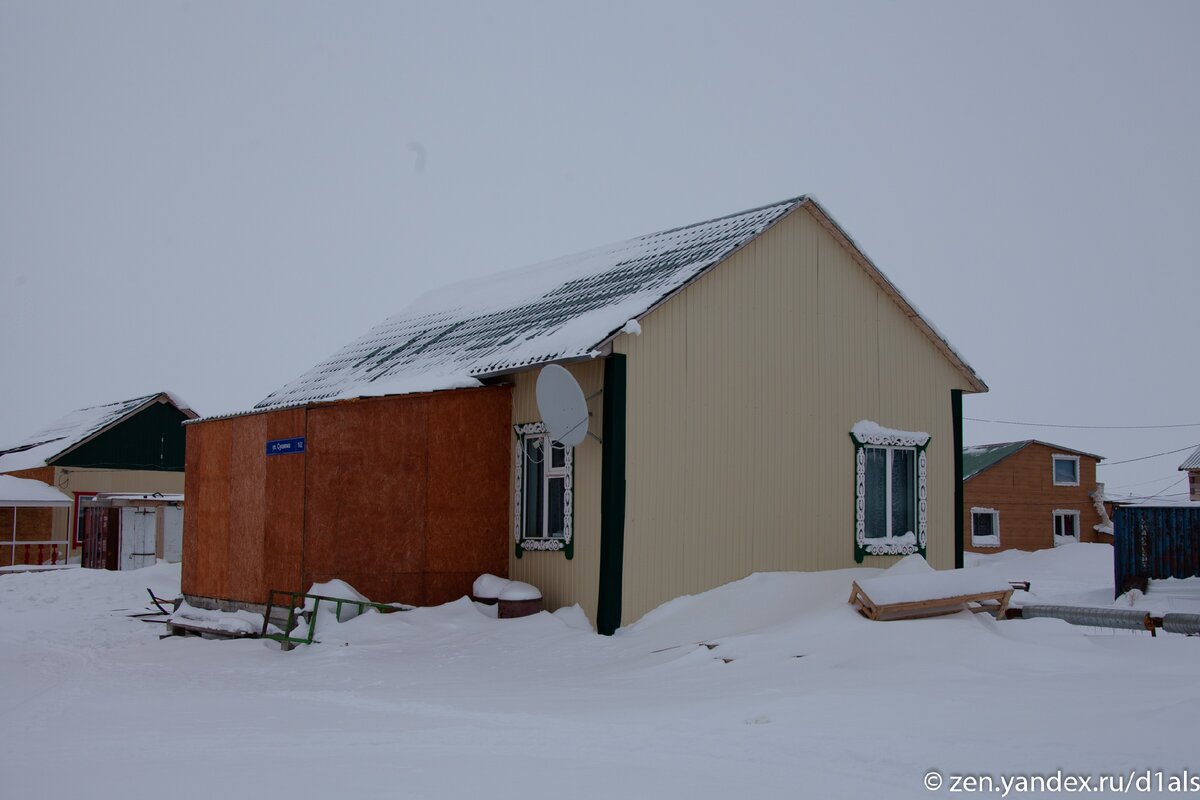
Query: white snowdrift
(772,686)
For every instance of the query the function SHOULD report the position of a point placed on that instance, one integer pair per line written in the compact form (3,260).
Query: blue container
(1155,542)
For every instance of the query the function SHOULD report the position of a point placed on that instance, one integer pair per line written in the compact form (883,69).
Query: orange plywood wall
(242,528)
(405,498)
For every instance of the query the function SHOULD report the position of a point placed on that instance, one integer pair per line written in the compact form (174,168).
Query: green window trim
(868,436)
(532,433)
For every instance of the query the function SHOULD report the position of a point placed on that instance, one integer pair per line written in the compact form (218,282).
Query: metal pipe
(1181,623)
(1127,618)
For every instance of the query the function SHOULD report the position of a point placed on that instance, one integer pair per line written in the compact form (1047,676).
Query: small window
(1066,526)
(542,501)
(985,527)
(1066,470)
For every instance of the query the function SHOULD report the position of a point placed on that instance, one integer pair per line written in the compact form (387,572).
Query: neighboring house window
(890,491)
(1066,526)
(543,498)
(1066,470)
(985,527)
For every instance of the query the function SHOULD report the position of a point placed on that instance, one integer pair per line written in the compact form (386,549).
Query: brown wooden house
(1030,495)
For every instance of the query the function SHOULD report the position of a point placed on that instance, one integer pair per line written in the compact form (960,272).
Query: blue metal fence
(1155,542)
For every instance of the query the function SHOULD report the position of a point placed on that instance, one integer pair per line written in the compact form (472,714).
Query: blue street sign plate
(282,447)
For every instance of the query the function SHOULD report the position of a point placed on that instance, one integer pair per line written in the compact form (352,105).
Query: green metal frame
(287,640)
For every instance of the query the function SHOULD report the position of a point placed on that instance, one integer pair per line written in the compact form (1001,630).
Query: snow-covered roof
(560,310)
(70,431)
(1193,461)
(27,493)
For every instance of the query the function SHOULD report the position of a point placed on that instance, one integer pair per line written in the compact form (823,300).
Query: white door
(137,538)
(172,533)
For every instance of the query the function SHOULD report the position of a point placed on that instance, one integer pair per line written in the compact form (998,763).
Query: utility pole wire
(1143,458)
(1085,427)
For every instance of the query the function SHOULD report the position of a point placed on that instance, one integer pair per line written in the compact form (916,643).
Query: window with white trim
(985,527)
(1066,526)
(543,498)
(1066,470)
(890,503)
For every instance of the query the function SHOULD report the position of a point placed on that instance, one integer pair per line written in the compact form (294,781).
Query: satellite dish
(562,405)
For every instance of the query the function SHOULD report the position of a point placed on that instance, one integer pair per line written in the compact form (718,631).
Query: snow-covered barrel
(487,588)
(519,600)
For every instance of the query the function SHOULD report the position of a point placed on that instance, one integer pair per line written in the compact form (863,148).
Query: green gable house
(131,447)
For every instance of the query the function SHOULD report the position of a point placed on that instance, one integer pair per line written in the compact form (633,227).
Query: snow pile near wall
(228,621)
(911,584)
(491,587)
(488,586)
(1080,574)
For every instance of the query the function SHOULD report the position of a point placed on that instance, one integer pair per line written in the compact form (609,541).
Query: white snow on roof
(26,493)
(558,310)
(39,448)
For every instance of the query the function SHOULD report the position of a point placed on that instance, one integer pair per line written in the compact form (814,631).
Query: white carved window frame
(869,435)
(566,472)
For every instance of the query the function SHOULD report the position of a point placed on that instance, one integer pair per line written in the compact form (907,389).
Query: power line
(1172,486)
(1143,458)
(1085,427)
(1141,483)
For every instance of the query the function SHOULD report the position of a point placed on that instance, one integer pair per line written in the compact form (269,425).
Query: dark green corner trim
(612,497)
(956,414)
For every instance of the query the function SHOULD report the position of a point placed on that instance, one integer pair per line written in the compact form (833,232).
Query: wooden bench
(994,602)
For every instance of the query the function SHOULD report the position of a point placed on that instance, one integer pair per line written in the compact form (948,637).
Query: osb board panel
(283,526)
(356,505)
(442,587)
(365,488)
(206,521)
(33,524)
(398,488)
(1022,489)
(467,512)
(43,474)
(248,506)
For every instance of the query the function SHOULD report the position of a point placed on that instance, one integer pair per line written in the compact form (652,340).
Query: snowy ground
(800,697)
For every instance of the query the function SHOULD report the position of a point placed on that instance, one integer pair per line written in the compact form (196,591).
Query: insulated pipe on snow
(1095,617)
(1181,623)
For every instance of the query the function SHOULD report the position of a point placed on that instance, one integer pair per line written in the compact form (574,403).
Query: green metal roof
(977,459)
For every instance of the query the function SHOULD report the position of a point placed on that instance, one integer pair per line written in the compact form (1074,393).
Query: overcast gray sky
(211,197)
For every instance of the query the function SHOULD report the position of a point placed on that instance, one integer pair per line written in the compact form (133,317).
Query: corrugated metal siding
(1155,543)
(742,392)
(564,582)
